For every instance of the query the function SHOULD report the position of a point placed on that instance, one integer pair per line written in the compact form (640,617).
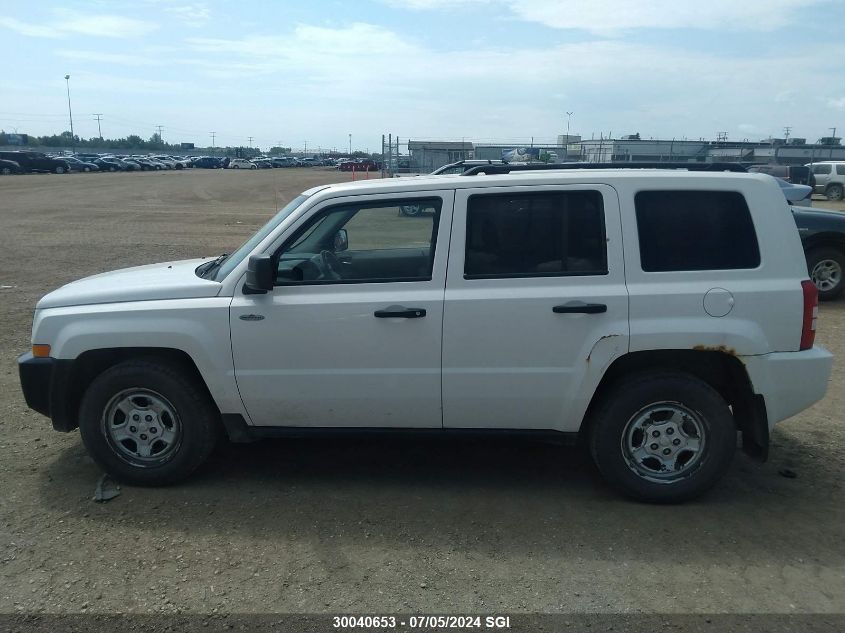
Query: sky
(309,73)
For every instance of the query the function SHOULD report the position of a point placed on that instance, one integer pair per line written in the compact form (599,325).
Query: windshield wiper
(213,265)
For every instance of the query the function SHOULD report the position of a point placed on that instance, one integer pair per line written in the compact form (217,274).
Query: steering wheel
(331,265)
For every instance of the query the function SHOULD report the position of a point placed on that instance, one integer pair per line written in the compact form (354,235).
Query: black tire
(7,171)
(198,420)
(59,169)
(86,169)
(830,278)
(627,400)
(834,192)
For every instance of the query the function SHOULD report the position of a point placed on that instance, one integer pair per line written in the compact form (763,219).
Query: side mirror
(341,241)
(259,275)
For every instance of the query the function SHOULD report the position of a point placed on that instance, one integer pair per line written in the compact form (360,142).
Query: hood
(815,213)
(170,280)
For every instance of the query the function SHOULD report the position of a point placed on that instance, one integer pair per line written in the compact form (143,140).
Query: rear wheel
(146,423)
(663,437)
(826,266)
(6,171)
(59,169)
(834,192)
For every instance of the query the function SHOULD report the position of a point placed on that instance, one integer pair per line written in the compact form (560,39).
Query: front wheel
(60,170)
(662,437)
(827,270)
(7,171)
(146,423)
(834,192)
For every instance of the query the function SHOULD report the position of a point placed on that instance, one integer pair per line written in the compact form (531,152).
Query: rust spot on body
(724,349)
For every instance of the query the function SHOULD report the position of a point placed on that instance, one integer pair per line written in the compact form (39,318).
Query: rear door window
(546,234)
(695,230)
(821,169)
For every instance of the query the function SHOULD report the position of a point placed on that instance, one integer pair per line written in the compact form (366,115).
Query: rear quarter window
(695,230)
(840,170)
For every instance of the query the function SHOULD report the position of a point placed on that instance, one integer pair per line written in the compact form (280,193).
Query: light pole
(70,113)
(350,145)
(568,120)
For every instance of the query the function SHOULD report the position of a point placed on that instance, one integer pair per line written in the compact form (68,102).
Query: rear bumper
(46,388)
(789,381)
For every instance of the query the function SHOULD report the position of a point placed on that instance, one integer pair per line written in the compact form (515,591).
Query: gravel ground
(369,526)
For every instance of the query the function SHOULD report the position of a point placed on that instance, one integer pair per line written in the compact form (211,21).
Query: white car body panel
(508,360)
(320,350)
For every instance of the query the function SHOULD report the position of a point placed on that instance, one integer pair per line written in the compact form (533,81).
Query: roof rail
(506,169)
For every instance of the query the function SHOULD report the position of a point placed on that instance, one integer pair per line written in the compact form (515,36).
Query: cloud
(30,30)
(837,103)
(194,15)
(609,17)
(138,58)
(68,23)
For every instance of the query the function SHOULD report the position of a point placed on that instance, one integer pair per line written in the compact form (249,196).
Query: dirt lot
(302,526)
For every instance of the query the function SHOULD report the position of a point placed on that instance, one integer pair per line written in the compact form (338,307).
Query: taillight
(811,314)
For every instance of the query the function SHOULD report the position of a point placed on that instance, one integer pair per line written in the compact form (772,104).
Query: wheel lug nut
(666,451)
(669,431)
(148,418)
(654,447)
(136,417)
(154,430)
(133,429)
(143,436)
(655,433)
(676,442)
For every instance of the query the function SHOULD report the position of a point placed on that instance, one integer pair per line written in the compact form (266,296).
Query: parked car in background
(79,165)
(36,162)
(262,163)
(359,164)
(830,179)
(207,162)
(241,163)
(801,195)
(9,167)
(796,174)
(129,164)
(281,161)
(109,164)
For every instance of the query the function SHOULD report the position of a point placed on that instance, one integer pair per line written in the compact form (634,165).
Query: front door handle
(579,307)
(399,312)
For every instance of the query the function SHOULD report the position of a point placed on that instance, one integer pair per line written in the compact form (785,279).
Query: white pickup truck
(656,314)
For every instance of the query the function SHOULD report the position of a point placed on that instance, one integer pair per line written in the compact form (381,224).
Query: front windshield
(247,247)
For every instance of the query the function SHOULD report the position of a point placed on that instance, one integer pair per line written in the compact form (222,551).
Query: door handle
(399,312)
(579,307)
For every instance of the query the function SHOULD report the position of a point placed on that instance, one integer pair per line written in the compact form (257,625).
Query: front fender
(197,327)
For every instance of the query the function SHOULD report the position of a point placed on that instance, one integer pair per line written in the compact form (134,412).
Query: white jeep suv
(655,314)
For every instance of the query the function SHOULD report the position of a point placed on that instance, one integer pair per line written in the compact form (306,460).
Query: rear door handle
(579,307)
(399,312)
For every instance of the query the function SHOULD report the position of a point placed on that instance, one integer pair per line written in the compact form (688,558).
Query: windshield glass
(246,248)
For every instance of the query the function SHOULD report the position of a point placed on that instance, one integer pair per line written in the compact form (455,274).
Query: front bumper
(47,389)
(789,381)
(36,377)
